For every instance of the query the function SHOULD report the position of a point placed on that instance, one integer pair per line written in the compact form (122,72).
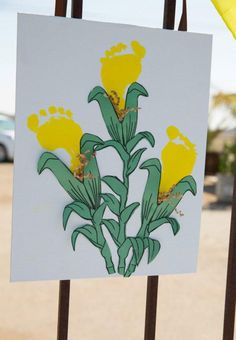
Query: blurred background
(189,306)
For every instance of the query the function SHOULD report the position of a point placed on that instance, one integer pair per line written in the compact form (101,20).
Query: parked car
(7,137)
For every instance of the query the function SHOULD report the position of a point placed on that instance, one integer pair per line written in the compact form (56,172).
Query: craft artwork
(100,202)
(167,180)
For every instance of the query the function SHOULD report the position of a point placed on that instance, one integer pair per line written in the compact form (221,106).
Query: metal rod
(60,8)
(169,14)
(63,310)
(77,9)
(151,308)
(152,281)
(183,25)
(230,295)
(64,286)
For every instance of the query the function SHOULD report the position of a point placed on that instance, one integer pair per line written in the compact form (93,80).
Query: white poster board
(111,124)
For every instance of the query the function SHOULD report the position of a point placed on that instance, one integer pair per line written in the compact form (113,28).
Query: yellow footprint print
(56,129)
(120,70)
(178,159)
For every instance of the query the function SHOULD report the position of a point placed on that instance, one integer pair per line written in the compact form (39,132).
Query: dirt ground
(190,307)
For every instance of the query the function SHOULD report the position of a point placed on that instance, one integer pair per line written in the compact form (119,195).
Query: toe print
(56,129)
(120,70)
(178,148)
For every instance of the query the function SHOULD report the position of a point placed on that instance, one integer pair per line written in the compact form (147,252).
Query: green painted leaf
(117,146)
(129,123)
(149,201)
(108,112)
(153,247)
(79,208)
(89,141)
(174,225)
(137,244)
(92,179)
(134,160)
(116,186)
(158,223)
(138,247)
(113,228)
(128,212)
(166,208)
(131,266)
(98,215)
(74,187)
(112,203)
(138,137)
(87,231)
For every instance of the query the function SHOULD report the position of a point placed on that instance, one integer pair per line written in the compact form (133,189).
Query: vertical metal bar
(183,25)
(77,9)
(63,310)
(64,286)
(169,14)
(230,295)
(60,8)
(152,281)
(151,308)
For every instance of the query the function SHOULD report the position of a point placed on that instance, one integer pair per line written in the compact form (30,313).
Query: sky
(202,18)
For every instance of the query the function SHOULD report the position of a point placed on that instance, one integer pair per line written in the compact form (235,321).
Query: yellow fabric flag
(227,10)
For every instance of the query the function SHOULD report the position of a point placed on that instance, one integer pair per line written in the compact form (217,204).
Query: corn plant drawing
(86,195)
(89,202)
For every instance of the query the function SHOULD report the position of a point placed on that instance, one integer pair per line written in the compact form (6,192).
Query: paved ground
(190,307)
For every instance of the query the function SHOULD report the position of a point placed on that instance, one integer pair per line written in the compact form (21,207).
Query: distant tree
(228,100)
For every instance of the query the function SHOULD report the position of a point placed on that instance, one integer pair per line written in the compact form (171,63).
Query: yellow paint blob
(57,131)
(178,159)
(120,70)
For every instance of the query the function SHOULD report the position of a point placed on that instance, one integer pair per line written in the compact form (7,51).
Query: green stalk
(106,254)
(122,232)
(123,249)
(104,249)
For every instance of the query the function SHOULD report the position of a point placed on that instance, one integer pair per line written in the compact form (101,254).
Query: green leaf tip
(138,137)
(98,215)
(91,139)
(191,182)
(44,158)
(98,90)
(134,160)
(77,207)
(112,203)
(139,88)
(153,247)
(165,220)
(74,236)
(150,163)
(88,231)
(128,211)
